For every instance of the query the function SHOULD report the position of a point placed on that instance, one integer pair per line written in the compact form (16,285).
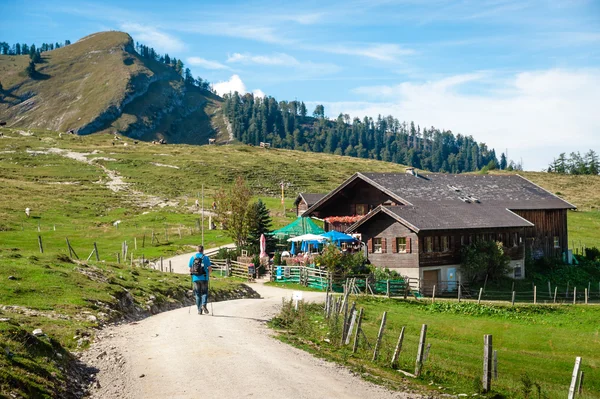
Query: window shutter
(370,245)
(407,245)
(383,246)
(395,245)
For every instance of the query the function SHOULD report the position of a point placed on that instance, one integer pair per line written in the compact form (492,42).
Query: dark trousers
(201,292)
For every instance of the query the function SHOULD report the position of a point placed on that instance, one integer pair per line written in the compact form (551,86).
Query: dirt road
(232,354)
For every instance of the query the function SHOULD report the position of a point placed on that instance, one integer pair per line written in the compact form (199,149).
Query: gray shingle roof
(458,216)
(310,198)
(504,191)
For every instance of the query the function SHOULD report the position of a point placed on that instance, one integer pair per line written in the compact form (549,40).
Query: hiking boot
(200,311)
(205,309)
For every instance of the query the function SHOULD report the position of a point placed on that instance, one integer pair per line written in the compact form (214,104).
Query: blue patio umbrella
(293,250)
(338,238)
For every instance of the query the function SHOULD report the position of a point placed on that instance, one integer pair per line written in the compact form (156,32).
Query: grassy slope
(455,332)
(91,80)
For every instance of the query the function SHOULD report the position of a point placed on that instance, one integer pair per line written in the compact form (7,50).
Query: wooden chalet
(306,200)
(417,223)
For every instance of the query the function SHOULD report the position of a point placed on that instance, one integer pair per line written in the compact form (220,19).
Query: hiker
(200,270)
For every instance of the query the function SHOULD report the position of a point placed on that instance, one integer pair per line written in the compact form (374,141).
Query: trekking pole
(192,282)
(212,313)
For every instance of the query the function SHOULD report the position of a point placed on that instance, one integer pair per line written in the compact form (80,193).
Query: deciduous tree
(233,205)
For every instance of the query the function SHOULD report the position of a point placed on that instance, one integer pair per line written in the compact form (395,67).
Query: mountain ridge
(100,83)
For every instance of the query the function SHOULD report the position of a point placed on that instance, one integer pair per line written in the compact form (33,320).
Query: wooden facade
(549,236)
(357,198)
(384,227)
(443,247)
(301,207)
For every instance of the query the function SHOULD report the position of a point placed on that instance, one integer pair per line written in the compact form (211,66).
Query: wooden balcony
(453,257)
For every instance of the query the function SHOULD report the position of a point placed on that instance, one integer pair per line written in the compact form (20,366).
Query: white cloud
(386,52)
(258,33)
(305,19)
(230,86)
(234,84)
(206,64)
(162,42)
(536,115)
(278,59)
(303,69)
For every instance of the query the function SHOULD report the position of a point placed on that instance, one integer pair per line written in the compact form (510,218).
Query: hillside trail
(229,354)
(115,182)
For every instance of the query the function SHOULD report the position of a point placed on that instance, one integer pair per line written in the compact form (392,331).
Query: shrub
(483,258)
(592,254)
(338,262)
(277,258)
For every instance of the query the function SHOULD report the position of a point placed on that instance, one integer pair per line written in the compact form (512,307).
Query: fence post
(586,296)
(357,334)
(479,297)
(534,294)
(161,263)
(459,291)
(118,257)
(135,243)
(398,349)
(379,336)
(420,351)
(487,362)
(40,244)
(495,370)
(549,289)
(574,378)
(96,250)
(513,298)
(580,384)
(555,291)
(352,321)
(170,267)
(144,240)
(344,323)
(388,287)
(433,295)
(574,295)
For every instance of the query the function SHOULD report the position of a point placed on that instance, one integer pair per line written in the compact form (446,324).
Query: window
(401,245)
(428,244)
(361,209)
(556,242)
(445,244)
(518,272)
(377,248)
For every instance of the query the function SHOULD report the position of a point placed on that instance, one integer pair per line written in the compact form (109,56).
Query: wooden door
(430,278)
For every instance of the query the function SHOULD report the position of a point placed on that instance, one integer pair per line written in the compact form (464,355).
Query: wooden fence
(232,268)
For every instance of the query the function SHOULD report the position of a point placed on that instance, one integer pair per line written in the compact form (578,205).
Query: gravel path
(232,354)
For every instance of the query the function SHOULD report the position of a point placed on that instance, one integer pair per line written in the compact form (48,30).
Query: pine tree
(503,161)
(259,222)
(592,162)
(179,67)
(30,70)
(189,79)
(302,109)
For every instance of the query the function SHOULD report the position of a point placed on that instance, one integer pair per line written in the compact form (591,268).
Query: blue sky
(518,75)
